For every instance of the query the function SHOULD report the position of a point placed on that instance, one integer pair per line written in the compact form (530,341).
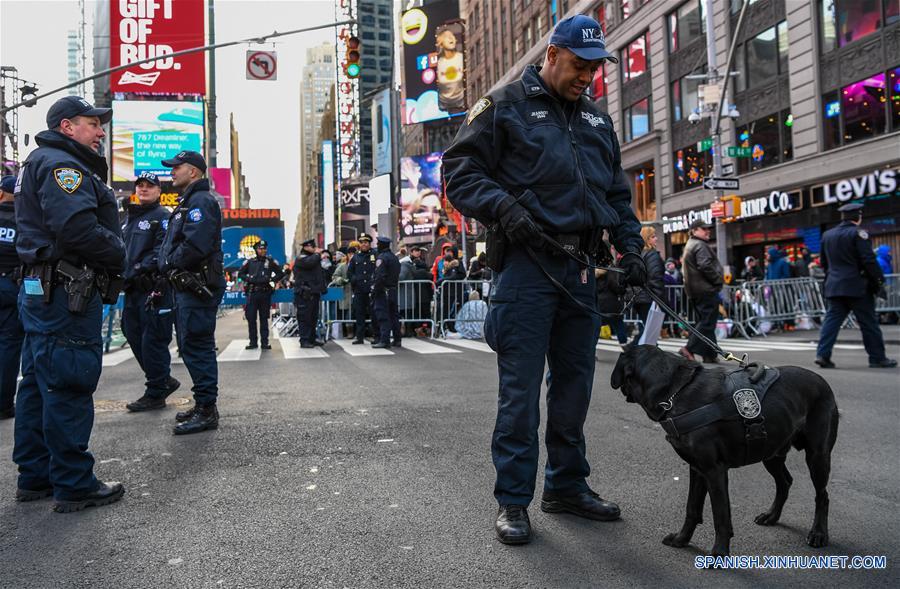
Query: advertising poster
(354,210)
(145,132)
(141,29)
(243,228)
(433,62)
(420,197)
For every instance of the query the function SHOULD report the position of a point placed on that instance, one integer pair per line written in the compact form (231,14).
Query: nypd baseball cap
(69,107)
(186,157)
(147,177)
(582,36)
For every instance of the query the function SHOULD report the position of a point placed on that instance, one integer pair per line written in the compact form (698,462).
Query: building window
(598,86)
(762,58)
(862,110)
(554,12)
(686,95)
(769,140)
(636,57)
(687,24)
(691,167)
(845,21)
(894,85)
(637,119)
(644,192)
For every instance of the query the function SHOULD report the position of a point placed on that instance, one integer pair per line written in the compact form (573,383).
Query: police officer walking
(191,258)
(259,274)
(309,284)
(361,271)
(148,313)
(11,333)
(536,160)
(852,278)
(71,246)
(384,295)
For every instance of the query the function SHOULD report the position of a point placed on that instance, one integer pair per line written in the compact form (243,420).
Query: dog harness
(742,396)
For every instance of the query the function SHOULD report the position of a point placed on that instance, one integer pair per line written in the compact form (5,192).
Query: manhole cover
(106,405)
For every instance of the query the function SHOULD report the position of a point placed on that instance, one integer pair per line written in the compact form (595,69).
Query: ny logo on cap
(84,102)
(592,35)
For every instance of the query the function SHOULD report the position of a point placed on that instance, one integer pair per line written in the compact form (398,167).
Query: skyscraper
(376,33)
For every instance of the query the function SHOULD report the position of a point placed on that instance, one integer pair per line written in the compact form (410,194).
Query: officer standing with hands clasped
(259,274)
(852,279)
(148,313)
(11,334)
(191,258)
(309,284)
(384,295)
(537,161)
(361,271)
(71,246)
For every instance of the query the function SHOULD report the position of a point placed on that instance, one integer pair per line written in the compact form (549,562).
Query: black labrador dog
(799,410)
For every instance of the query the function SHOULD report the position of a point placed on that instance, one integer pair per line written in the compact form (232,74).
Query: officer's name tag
(33,287)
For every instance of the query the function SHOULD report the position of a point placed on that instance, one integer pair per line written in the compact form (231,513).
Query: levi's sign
(878,182)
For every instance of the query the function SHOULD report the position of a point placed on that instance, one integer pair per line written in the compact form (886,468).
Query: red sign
(718,209)
(140,29)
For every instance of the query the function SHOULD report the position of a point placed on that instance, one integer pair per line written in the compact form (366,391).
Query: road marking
(290,347)
(176,359)
(117,357)
(361,349)
(468,344)
(235,352)
(422,347)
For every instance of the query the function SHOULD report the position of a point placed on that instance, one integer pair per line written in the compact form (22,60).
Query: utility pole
(211,97)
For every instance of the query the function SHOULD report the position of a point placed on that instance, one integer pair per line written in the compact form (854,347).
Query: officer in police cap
(259,274)
(70,243)
(361,271)
(191,258)
(11,333)
(309,284)
(852,279)
(384,296)
(148,313)
(539,162)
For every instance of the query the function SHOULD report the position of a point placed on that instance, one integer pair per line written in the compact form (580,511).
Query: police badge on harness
(747,403)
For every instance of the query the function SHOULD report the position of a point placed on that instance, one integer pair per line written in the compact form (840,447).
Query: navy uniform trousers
(149,333)
(530,321)
(259,305)
(387,313)
(196,320)
(11,336)
(361,306)
(307,316)
(864,310)
(61,362)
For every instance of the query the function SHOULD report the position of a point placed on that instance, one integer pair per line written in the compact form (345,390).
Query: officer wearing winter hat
(260,274)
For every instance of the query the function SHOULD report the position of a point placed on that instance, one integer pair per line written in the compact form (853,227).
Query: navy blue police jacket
(9,259)
(64,210)
(144,230)
(309,277)
(361,271)
(193,240)
(851,269)
(560,160)
(387,271)
(260,271)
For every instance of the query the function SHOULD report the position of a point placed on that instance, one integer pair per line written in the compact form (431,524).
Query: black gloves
(635,269)
(519,225)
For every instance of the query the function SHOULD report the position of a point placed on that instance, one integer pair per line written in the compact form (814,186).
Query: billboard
(347,114)
(420,196)
(381,133)
(145,132)
(140,29)
(243,228)
(220,178)
(433,62)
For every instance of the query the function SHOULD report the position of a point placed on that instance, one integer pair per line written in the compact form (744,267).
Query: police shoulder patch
(378,262)
(165,224)
(69,179)
(195,215)
(479,107)
(863,234)
(144,225)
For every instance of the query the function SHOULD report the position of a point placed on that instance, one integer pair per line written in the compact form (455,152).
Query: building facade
(376,34)
(316,85)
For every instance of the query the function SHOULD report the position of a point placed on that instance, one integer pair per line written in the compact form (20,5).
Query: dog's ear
(618,374)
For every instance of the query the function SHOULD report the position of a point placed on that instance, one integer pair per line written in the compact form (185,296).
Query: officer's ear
(552,55)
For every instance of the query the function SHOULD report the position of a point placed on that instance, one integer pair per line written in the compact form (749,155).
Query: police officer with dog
(11,333)
(361,271)
(539,163)
(852,279)
(309,284)
(259,275)
(191,258)
(384,296)
(71,247)
(148,313)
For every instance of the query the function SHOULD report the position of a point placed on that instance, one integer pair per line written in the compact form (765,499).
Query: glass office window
(762,58)
(637,119)
(831,115)
(690,167)
(863,109)
(636,57)
(845,21)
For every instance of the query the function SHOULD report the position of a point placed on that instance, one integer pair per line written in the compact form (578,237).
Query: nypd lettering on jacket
(559,159)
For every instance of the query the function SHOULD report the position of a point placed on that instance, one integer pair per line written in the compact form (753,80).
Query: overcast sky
(267,114)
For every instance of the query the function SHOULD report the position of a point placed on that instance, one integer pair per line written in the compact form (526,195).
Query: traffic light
(352,57)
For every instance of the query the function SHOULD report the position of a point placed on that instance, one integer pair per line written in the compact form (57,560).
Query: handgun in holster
(109,286)
(191,282)
(79,285)
(495,246)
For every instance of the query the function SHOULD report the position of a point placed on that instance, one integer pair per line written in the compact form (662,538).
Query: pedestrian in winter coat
(703,279)
(655,278)
(883,256)
(778,267)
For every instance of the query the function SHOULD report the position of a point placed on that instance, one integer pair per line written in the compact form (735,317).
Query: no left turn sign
(262,65)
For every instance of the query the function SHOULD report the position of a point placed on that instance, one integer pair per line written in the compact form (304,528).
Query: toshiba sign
(141,29)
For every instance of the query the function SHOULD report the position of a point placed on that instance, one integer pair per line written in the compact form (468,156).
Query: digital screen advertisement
(241,230)
(420,196)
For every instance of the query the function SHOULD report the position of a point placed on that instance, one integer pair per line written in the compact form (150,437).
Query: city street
(346,470)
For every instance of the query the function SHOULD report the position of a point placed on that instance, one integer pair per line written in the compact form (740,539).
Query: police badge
(747,403)
(69,179)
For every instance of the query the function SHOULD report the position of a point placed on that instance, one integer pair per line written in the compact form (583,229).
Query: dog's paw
(817,539)
(767,519)
(676,540)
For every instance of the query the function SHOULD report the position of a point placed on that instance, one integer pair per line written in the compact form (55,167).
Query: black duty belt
(570,242)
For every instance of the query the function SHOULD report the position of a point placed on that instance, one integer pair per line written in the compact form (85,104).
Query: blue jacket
(194,236)
(778,267)
(9,259)
(144,229)
(561,161)
(883,255)
(361,271)
(387,270)
(851,269)
(64,209)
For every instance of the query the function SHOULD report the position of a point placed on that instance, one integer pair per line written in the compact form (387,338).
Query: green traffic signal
(353,70)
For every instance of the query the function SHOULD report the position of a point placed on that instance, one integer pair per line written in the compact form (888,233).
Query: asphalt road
(375,471)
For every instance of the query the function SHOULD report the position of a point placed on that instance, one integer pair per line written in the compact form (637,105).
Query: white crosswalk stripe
(117,357)
(423,347)
(290,347)
(469,345)
(235,352)
(361,349)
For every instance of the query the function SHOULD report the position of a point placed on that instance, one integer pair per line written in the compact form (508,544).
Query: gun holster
(110,286)
(79,285)
(496,243)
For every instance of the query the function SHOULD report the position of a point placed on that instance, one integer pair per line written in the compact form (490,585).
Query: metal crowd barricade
(752,303)
(891,303)
(111,314)
(414,303)
(451,296)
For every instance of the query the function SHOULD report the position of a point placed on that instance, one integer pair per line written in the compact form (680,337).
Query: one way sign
(722,184)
